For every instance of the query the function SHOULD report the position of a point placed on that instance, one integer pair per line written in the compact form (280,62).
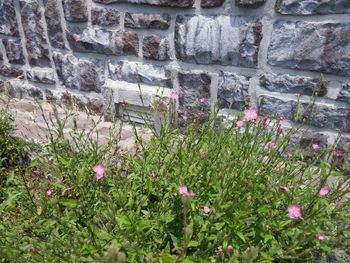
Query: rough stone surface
(211,3)
(171,3)
(8,23)
(312,7)
(42,76)
(103,41)
(250,3)
(275,107)
(81,74)
(36,43)
(193,87)
(221,40)
(318,115)
(75,10)
(156,48)
(314,46)
(105,16)
(14,51)
(233,91)
(285,83)
(139,73)
(13,72)
(344,94)
(147,21)
(53,21)
(344,147)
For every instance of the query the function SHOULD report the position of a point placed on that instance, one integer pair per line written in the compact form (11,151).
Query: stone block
(156,48)
(344,94)
(147,20)
(53,21)
(36,42)
(11,72)
(103,16)
(233,91)
(221,40)
(14,51)
(45,76)
(81,74)
(250,3)
(137,72)
(312,7)
(170,3)
(75,10)
(285,83)
(314,46)
(8,22)
(211,3)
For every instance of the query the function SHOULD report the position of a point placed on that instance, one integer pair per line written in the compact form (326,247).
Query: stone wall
(234,52)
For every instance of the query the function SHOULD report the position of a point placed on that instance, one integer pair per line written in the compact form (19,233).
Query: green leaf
(70,203)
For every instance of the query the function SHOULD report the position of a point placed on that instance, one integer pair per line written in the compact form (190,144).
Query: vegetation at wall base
(231,192)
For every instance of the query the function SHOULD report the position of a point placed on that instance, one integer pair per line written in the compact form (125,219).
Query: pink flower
(264,121)
(324,191)
(202,100)
(49,192)
(281,117)
(320,236)
(99,169)
(203,154)
(337,153)
(272,145)
(279,130)
(315,146)
(251,114)
(184,191)
(31,249)
(174,95)
(239,124)
(206,209)
(229,249)
(294,211)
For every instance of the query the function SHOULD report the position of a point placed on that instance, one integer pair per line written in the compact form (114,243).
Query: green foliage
(247,177)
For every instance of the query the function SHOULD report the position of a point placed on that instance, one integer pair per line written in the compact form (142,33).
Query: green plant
(237,192)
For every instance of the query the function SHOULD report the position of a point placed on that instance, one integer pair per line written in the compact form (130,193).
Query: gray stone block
(104,16)
(8,23)
(221,40)
(36,42)
(314,46)
(233,91)
(75,10)
(170,3)
(312,7)
(137,72)
(14,51)
(81,74)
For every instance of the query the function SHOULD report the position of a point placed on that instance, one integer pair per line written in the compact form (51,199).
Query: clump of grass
(208,193)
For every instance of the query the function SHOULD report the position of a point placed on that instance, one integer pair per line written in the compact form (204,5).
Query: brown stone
(130,43)
(250,3)
(105,16)
(147,21)
(53,21)
(156,48)
(75,10)
(211,3)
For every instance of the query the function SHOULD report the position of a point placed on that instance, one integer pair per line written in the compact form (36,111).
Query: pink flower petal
(99,169)
(49,192)
(206,209)
(174,95)
(183,190)
(251,114)
(239,124)
(315,147)
(294,211)
(321,236)
(324,191)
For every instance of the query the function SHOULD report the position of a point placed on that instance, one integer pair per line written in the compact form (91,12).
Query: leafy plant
(232,192)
